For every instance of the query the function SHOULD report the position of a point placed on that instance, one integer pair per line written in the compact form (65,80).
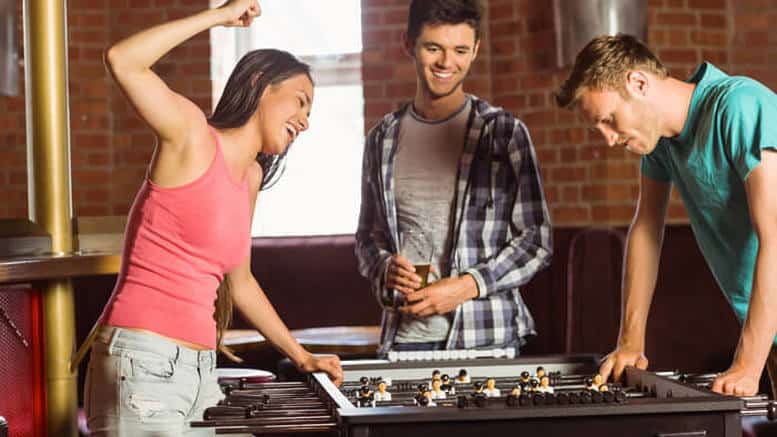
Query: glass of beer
(417,247)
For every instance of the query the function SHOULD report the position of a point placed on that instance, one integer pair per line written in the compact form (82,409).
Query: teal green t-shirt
(730,121)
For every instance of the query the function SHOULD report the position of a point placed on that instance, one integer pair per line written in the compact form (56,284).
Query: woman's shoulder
(255,175)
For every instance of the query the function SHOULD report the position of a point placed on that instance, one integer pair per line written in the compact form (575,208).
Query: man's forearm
(640,270)
(518,260)
(760,326)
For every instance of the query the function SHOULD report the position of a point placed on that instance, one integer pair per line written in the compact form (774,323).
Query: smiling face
(283,113)
(443,55)
(623,120)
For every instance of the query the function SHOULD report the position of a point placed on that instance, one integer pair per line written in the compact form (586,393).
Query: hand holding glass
(417,247)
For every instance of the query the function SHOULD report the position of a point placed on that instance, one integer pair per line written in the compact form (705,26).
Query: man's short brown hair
(603,64)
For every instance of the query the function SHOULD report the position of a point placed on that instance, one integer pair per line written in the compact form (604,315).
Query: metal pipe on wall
(49,198)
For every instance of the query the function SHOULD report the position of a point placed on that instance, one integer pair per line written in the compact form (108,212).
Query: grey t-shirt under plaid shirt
(425,170)
(501,229)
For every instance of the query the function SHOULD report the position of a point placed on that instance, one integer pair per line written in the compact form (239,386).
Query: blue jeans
(140,384)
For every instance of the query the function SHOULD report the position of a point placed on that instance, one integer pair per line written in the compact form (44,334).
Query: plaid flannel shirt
(502,231)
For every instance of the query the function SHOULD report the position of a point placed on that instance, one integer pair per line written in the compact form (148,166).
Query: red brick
(570,173)
(708,38)
(752,21)
(717,21)
(678,56)
(604,170)
(570,214)
(707,4)
(396,17)
(612,214)
(676,19)
(756,39)
(500,11)
(370,19)
(570,194)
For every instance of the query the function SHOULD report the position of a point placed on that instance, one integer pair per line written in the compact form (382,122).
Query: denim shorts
(140,384)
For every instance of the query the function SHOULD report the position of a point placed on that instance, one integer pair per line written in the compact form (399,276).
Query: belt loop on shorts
(177,354)
(112,341)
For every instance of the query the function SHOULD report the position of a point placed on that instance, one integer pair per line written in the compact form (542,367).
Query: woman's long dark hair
(256,71)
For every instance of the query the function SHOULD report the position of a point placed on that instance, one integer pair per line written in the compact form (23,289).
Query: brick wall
(585,182)
(110,145)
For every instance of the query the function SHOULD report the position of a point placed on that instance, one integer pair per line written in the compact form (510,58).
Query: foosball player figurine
(525,398)
(617,391)
(538,398)
(424,399)
(512,398)
(589,383)
(365,397)
(463,377)
(382,394)
(540,372)
(524,381)
(597,381)
(491,390)
(585,396)
(447,385)
(477,394)
(607,395)
(430,401)
(437,391)
(534,386)
(545,385)
(421,389)
(364,381)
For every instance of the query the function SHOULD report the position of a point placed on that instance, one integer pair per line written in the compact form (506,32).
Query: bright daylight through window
(318,193)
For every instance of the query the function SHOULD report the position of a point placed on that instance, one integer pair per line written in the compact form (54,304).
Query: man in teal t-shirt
(713,137)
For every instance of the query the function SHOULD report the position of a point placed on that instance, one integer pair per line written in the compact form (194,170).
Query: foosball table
(460,396)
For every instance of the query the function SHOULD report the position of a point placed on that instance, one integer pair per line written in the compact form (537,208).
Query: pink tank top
(178,244)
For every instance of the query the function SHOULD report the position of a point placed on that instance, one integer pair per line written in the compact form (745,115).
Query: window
(319,192)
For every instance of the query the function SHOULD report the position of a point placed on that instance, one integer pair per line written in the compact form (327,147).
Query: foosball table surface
(643,404)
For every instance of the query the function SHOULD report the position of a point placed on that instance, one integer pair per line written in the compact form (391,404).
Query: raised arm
(130,61)
(640,270)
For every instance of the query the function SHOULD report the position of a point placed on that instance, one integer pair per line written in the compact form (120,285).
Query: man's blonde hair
(603,64)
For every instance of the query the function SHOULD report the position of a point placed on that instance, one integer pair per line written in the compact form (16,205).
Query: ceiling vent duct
(578,21)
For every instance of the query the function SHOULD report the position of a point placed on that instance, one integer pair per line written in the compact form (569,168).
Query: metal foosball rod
(280,429)
(269,408)
(266,421)
(760,408)
(249,411)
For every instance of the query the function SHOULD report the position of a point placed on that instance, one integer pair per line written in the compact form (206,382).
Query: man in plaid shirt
(464,172)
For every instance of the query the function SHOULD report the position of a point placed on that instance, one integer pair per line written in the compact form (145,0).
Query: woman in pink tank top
(188,235)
